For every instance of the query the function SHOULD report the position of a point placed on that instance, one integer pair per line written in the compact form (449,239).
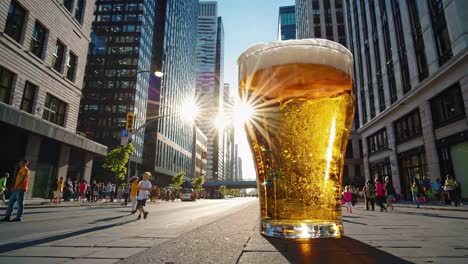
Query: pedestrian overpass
(231,184)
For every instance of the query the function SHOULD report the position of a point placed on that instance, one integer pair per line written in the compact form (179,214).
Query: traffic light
(130,121)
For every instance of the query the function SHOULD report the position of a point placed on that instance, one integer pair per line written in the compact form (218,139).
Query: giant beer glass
(302,105)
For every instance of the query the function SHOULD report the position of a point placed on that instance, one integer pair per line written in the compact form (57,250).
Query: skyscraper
(210,42)
(321,19)
(229,135)
(117,73)
(287,23)
(171,139)
(43,50)
(325,19)
(410,63)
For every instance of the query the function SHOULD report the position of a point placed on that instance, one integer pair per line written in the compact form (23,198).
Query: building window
(413,168)
(408,127)
(79,10)
(377,141)
(418,40)
(380,170)
(29,93)
(54,110)
(68,4)
(71,66)
(6,83)
(38,40)
(349,150)
(316,18)
(448,107)
(58,56)
(388,53)
(15,21)
(439,26)
(328,20)
(405,77)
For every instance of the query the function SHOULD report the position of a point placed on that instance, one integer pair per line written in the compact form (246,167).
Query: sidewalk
(45,203)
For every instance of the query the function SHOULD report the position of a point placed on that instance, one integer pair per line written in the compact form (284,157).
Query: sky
(246,22)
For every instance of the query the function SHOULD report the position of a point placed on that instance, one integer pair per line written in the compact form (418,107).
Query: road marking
(56,217)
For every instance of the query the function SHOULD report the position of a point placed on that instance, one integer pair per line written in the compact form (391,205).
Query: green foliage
(116,160)
(198,183)
(223,190)
(178,180)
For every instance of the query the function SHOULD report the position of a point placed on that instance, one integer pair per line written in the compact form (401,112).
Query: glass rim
(317,42)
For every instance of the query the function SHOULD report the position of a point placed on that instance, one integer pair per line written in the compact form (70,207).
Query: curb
(432,207)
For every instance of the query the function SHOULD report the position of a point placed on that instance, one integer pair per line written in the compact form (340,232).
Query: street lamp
(158,74)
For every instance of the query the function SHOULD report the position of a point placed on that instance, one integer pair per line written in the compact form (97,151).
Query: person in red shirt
(380,194)
(18,191)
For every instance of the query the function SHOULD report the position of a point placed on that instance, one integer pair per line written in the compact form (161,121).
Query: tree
(198,183)
(117,159)
(178,180)
(223,191)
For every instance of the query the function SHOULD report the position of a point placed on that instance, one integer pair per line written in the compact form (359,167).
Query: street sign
(124,133)
(123,141)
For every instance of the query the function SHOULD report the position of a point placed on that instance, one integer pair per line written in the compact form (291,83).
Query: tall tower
(117,73)
(287,23)
(209,88)
(170,136)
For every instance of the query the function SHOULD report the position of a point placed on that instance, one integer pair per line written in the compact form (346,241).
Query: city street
(226,231)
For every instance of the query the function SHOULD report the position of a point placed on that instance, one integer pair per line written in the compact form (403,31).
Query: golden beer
(303,106)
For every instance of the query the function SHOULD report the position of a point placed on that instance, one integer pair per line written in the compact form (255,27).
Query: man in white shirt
(143,192)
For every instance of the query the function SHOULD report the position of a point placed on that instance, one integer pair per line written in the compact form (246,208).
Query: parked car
(188,194)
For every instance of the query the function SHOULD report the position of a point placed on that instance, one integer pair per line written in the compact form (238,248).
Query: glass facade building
(209,84)
(287,23)
(170,145)
(117,72)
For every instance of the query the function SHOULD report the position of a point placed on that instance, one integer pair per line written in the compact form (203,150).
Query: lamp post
(131,133)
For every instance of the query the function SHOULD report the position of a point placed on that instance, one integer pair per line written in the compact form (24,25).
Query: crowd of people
(383,194)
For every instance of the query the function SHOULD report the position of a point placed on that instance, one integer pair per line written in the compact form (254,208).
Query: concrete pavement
(226,231)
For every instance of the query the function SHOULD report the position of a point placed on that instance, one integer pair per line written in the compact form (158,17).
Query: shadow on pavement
(345,250)
(431,215)
(30,243)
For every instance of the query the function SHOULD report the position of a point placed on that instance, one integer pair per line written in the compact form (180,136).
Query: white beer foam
(311,51)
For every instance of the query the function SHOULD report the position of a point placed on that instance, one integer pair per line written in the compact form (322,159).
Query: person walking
(347,198)
(82,190)
(134,193)
(390,192)
(414,192)
(3,182)
(369,194)
(449,188)
(17,196)
(437,191)
(60,185)
(144,187)
(426,184)
(380,194)
(126,192)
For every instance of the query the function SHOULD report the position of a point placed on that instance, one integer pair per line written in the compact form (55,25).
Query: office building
(287,23)
(229,135)
(209,85)
(117,75)
(412,89)
(43,47)
(325,19)
(173,140)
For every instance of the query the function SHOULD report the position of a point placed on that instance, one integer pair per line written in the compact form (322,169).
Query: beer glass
(302,106)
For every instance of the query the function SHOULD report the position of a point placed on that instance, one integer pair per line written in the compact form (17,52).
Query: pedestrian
(437,190)
(449,188)
(53,190)
(348,197)
(390,192)
(93,191)
(134,193)
(426,184)
(60,185)
(126,192)
(380,194)
(458,194)
(18,191)
(82,190)
(369,194)
(3,182)
(144,187)
(112,193)
(68,189)
(414,192)
(107,191)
